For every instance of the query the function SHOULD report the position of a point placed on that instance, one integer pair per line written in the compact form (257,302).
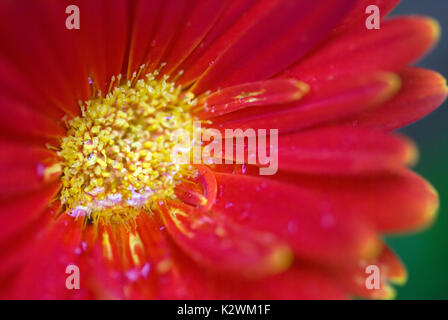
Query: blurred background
(425,254)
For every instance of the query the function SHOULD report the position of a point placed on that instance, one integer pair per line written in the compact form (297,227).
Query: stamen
(117,155)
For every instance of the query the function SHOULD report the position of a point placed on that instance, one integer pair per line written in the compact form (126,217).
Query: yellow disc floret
(117,156)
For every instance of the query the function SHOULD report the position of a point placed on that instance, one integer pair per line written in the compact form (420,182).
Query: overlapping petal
(327,101)
(313,226)
(422,92)
(399,42)
(218,243)
(270,92)
(337,150)
(277,45)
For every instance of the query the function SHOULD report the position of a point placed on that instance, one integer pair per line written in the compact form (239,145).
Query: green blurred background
(426,253)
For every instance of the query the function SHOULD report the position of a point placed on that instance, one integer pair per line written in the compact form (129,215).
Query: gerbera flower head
(90,120)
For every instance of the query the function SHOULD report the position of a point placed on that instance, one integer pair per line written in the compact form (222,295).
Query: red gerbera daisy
(87,124)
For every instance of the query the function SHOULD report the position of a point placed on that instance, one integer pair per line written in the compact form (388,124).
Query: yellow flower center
(117,156)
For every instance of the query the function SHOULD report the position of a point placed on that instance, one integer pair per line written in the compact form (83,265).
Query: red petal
(296,283)
(166,275)
(104,33)
(17,212)
(18,118)
(101,282)
(299,283)
(201,192)
(125,266)
(217,243)
(179,277)
(344,150)
(310,224)
(202,17)
(328,100)
(49,58)
(268,38)
(175,274)
(15,251)
(421,93)
(229,17)
(340,150)
(268,92)
(14,83)
(396,202)
(394,269)
(355,277)
(22,168)
(144,25)
(356,19)
(171,16)
(44,276)
(399,42)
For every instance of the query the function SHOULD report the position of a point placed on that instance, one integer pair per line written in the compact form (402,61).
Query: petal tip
(432,206)
(388,293)
(444,84)
(394,83)
(435,28)
(280,259)
(400,279)
(371,247)
(411,155)
(303,88)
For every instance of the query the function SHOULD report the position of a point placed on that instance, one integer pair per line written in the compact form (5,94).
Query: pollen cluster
(117,156)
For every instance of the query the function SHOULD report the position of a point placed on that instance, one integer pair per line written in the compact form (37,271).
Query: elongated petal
(422,91)
(180,277)
(24,168)
(194,65)
(49,59)
(303,25)
(171,16)
(327,101)
(218,243)
(393,268)
(121,263)
(399,42)
(102,281)
(269,92)
(144,25)
(344,150)
(356,18)
(44,276)
(18,118)
(334,150)
(15,83)
(202,17)
(15,251)
(372,278)
(173,273)
(104,33)
(310,224)
(297,283)
(19,211)
(396,202)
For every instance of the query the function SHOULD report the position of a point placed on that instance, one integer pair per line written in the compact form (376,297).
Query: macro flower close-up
(95,93)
